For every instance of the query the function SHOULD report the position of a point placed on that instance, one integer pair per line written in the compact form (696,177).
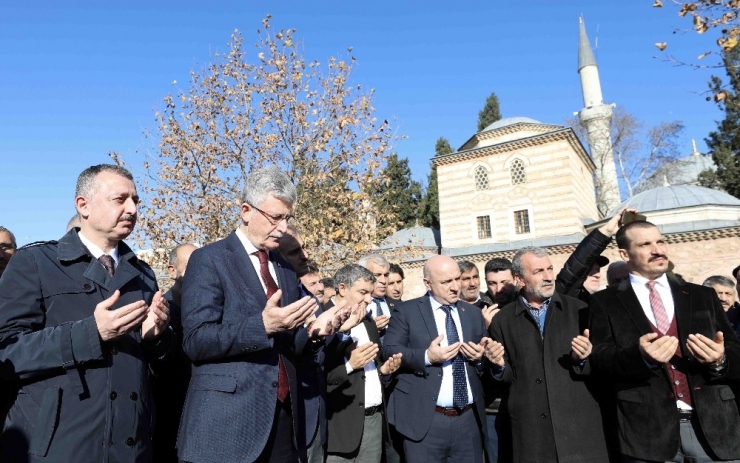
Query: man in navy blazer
(437,399)
(243,329)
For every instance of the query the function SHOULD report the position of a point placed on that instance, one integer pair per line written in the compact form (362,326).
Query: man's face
(265,229)
(381,273)
(538,280)
(726,295)
(470,285)
(7,249)
(177,272)
(592,283)
(395,286)
(647,253)
(359,293)
(292,249)
(617,273)
(444,281)
(501,285)
(110,210)
(312,282)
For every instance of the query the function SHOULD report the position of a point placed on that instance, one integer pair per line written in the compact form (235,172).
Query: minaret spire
(595,118)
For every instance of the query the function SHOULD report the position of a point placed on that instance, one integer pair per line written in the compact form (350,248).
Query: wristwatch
(719,364)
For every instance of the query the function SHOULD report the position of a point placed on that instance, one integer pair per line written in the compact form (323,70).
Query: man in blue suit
(437,400)
(245,327)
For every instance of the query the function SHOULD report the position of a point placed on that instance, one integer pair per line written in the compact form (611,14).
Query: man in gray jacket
(80,318)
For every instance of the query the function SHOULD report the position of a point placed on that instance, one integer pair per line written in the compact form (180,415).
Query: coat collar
(521,307)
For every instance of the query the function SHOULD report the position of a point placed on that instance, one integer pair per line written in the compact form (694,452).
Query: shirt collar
(544,305)
(640,281)
(250,248)
(436,304)
(95,250)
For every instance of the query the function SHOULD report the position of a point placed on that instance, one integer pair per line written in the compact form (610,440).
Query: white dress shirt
(445,396)
(96,251)
(383,308)
(373,389)
(643,295)
(251,249)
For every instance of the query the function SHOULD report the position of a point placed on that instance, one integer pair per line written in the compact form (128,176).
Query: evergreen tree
(399,193)
(429,208)
(490,112)
(724,144)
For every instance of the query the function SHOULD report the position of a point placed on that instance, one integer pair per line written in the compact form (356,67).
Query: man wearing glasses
(7,247)
(243,328)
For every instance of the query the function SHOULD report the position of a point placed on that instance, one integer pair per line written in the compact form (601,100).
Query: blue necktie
(378,309)
(459,385)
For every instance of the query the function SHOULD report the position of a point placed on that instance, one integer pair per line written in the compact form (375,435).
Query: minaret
(595,117)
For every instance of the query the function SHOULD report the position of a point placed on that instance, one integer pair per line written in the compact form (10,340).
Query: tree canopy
(490,112)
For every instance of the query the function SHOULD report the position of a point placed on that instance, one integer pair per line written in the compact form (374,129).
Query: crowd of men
(252,357)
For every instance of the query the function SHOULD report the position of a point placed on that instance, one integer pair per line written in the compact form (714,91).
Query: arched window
(481,178)
(518,174)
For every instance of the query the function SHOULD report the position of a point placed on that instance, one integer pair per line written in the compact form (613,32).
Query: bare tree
(638,152)
(268,106)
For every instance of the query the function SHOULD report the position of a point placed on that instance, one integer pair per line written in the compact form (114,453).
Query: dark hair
(86,180)
(394,268)
(498,264)
(622,241)
(311,268)
(350,273)
(466,266)
(328,283)
(734,272)
(12,236)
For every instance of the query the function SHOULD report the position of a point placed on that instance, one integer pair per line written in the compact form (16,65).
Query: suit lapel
(682,310)
(632,306)
(282,279)
(465,322)
(425,308)
(242,265)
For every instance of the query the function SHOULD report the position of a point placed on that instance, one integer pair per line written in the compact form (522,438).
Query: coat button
(538,380)
(544,415)
(87,287)
(134,396)
(114,350)
(113,395)
(274,384)
(130,441)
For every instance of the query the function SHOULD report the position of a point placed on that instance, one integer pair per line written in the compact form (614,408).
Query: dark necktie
(656,304)
(459,385)
(272,288)
(378,309)
(108,263)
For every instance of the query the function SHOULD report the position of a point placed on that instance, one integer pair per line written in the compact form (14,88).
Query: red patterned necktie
(272,288)
(656,303)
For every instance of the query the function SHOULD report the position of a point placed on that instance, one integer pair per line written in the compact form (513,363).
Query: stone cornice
(565,133)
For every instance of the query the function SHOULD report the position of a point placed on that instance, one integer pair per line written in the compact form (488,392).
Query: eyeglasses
(274,219)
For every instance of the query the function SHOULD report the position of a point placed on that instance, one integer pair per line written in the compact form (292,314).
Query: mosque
(520,182)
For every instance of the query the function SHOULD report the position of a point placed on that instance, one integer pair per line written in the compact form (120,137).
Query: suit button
(130,441)
(544,415)
(363,376)
(87,287)
(134,396)
(114,350)
(439,374)
(361,404)
(113,395)
(538,380)
(274,384)
(434,398)
(670,395)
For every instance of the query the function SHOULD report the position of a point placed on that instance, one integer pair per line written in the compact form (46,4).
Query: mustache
(276,234)
(130,218)
(546,283)
(658,256)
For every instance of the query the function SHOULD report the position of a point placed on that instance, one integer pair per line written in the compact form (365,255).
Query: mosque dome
(501,123)
(684,171)
(418,237)
(677,197)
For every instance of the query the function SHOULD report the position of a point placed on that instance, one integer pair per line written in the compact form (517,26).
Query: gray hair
(718,280)
(12,236)
(266,181)
(377,259)
(86,184)
(350,273)
(516,262)
(466,266)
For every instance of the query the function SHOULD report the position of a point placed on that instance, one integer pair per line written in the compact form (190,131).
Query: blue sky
(81,80)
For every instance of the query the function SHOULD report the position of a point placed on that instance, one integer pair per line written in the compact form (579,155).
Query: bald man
(437,403)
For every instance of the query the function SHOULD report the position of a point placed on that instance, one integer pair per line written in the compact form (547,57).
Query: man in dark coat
(670,354)
(554,416)
(80,319)
(437,400)
(356,376)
